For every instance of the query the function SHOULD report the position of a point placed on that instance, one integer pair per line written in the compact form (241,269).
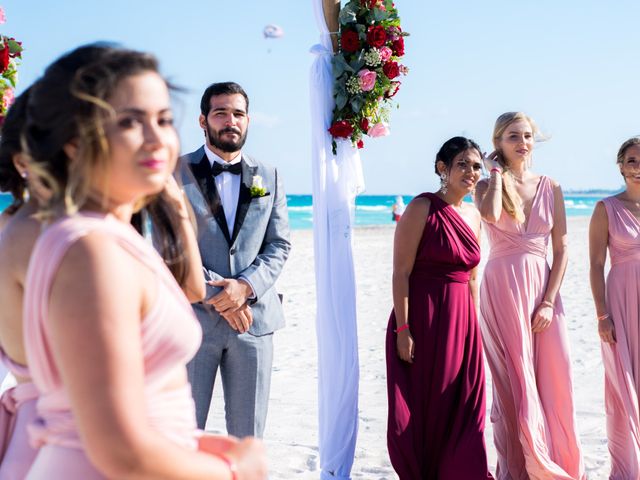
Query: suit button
(232,251)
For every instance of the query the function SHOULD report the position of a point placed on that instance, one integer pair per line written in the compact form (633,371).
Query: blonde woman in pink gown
(616,224)
(17,237)
(108,332)
(522,318)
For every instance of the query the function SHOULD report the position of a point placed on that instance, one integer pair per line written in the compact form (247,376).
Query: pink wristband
(495,169)
(403,327)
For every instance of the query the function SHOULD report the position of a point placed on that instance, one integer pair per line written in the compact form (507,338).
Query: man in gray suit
(243,235)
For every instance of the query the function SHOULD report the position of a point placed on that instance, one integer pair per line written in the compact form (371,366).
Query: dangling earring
(443,183)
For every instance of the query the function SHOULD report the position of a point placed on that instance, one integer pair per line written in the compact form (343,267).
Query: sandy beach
(291,433)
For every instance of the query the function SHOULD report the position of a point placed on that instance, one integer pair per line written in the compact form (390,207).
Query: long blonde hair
(511,201)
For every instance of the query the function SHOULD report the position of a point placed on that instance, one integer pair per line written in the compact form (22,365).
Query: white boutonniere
(257,188)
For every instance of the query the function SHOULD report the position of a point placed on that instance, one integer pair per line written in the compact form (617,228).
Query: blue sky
(573,66)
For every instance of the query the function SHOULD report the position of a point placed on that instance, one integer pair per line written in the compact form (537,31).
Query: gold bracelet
(603,317)
(547,303)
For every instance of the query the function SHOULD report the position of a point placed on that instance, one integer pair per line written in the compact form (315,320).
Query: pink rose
(7,98)
(367,80)
(378,130)
(385,54)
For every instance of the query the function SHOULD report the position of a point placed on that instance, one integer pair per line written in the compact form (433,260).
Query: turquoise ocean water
(376,209)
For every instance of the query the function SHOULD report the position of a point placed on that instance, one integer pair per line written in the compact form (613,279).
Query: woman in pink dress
(522,319)
(17,236)
(108,331)
(435,374)
(616,224)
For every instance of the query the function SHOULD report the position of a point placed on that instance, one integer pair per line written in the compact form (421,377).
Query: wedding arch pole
(337,179)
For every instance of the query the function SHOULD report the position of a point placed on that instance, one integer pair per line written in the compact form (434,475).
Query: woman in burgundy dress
(435,375)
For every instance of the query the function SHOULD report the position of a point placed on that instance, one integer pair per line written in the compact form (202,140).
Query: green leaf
(14,46)
(357,64)
(341,100)
(340,65)
(348,14)
(379,15)
(356,103)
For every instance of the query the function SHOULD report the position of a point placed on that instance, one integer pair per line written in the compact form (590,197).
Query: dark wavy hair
(222,88)
(451,148)
(10,146)
(69,103)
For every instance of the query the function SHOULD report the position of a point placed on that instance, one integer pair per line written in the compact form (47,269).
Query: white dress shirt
(228,186)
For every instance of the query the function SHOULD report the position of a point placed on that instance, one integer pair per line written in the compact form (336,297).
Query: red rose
(364,124)
(4,58)
(341,129)
(349,41)
(360,144)
(376,36)
(398,47)
(391,70)
(393,89)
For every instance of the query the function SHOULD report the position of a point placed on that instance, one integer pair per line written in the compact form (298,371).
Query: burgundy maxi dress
(436,417)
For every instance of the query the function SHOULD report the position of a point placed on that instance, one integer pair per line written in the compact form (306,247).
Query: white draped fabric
(336,182)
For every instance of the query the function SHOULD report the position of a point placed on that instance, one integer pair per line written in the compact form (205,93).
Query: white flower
(257,181)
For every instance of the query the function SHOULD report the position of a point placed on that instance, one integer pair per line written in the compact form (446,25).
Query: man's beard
(226,146)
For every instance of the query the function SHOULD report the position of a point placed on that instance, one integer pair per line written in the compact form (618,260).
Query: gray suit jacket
(258,246)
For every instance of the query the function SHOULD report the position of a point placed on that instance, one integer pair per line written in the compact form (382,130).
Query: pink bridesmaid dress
(17,410)
(532,412)
(622,359)
(170,336)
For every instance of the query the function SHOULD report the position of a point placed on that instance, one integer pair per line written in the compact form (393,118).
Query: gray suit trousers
(245,364)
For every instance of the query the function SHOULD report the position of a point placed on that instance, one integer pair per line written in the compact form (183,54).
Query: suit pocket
(263,197)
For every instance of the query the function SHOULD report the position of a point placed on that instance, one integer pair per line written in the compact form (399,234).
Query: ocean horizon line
(376,209)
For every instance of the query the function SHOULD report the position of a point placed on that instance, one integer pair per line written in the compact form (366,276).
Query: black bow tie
(218,168)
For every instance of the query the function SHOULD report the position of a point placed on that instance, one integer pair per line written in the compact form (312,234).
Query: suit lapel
(204,177)
(244,197)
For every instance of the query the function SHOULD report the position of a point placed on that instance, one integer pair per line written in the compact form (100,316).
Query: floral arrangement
(366,69)
(257,187)
(10,55)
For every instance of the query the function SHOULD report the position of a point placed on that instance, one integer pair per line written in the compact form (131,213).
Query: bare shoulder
(414,217)
(4,219)
(599,212)
(17,239)
(554,184)
(97,257)
(418,208)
